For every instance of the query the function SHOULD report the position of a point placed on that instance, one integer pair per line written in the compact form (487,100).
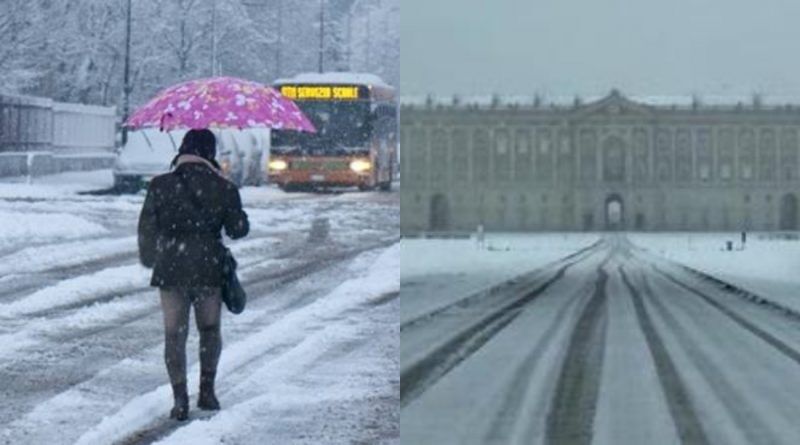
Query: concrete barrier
(41,163)
(84,162)
(39,136)
(13,164)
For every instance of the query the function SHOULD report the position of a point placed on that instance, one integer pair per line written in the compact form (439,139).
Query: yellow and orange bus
(356,140)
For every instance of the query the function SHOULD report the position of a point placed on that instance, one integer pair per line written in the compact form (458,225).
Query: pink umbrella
(219,102)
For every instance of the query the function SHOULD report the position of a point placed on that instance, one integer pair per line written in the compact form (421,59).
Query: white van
(149,152)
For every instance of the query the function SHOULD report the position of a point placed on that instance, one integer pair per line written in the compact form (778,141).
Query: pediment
(614,104)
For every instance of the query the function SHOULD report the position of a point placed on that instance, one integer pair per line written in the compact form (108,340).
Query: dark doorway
(615,213)
(440,213)
(788,214)
(639,224)
(588,222)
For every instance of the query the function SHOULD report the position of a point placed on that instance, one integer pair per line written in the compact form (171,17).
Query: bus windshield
(342,127)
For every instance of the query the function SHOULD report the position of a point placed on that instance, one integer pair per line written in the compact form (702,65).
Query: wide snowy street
(608,339)
(313,359)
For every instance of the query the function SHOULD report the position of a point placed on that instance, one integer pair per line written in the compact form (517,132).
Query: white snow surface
(566,101)
(741,389)
(18,225)
(438,271)
(767,266)
(58,185)
(274,379)
(38,258)
(80,327)
(334,78)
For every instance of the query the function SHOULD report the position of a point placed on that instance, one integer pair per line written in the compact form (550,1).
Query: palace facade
(612,164)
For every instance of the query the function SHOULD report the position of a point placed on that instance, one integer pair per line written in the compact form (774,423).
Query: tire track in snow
(100,282)
(782,347)
(429,317)
(572,409)
(683,411)
(424,372)
(112,310)
(751,425)
(506,420)
(163,428)
(256,286)
(249,356)
(119,333)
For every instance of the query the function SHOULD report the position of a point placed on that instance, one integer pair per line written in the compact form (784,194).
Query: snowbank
(19,226)
(767,266)
(40,258)
(58,185)
(436,271)
(373,278)
(115,280)
(334,78)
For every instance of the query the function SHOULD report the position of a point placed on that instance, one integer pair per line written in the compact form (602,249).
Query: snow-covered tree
(19,39)
(75,50)
(375,38)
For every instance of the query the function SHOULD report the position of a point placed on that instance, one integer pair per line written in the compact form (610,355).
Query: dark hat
(201,143)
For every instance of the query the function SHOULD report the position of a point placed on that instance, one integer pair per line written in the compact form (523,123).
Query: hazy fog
(588,46)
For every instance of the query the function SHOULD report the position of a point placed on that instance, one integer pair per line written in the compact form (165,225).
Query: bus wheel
(365,187)
(386,186)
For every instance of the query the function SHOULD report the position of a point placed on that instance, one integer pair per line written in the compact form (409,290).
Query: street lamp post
(213,38)
(368,41)
(127,86)
(349,38)
(321,32)
(278,48)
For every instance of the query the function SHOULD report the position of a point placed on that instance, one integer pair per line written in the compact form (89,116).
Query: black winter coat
(180,240)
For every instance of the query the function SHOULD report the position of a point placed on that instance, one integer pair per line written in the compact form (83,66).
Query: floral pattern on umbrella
(219,102)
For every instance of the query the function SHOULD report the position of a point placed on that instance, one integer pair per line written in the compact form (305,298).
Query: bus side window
(383,118)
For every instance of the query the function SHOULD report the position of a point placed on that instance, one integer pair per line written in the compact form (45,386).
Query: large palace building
(611,164)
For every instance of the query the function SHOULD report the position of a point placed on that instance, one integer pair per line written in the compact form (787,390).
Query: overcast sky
(565,47)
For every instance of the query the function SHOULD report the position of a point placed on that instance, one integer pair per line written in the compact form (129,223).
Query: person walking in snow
(179,236)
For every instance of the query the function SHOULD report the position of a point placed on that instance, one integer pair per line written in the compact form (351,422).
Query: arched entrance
(615,212)
(788,213)
(439,213)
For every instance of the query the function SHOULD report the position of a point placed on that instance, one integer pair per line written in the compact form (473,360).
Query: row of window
(685,163)
(566,199)
(443,214)
(547,139)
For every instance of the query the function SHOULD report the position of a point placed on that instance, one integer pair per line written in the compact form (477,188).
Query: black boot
(207,400)
(181,409)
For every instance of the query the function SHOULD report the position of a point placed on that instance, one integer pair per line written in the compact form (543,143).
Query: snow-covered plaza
(601,338)
(313,359)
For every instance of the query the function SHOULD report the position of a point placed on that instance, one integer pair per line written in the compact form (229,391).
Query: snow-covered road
(610,345)
(313,359)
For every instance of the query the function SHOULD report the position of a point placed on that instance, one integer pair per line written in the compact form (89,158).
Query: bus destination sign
(320,92)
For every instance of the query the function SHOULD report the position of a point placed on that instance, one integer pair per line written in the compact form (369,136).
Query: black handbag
(233,294)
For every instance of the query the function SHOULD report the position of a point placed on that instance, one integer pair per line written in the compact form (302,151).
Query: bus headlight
(277,164)
(360,165)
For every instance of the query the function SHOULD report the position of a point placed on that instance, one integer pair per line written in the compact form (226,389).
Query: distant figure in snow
(744,238)
(480,238)
(179,237)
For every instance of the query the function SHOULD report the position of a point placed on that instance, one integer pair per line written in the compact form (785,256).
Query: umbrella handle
(164,117)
